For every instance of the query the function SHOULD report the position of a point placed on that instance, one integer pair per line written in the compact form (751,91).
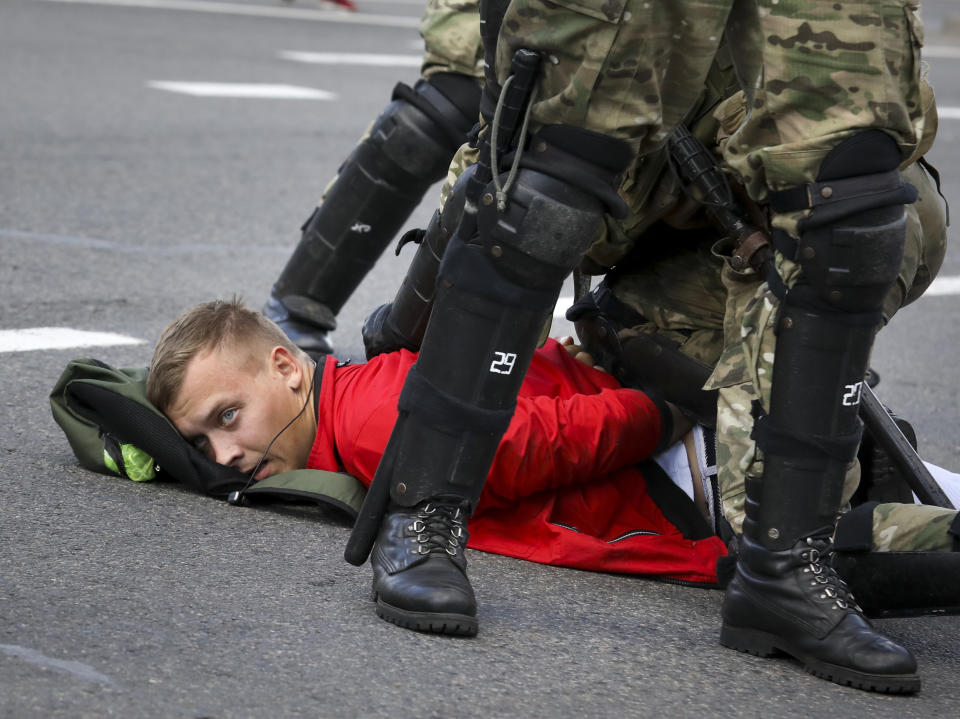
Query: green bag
(113,429)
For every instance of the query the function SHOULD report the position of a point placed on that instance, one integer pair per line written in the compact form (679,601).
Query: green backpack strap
(336,489)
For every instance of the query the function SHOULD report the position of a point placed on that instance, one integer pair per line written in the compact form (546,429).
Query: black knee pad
(450,100)
(378,186)
(851,245)
(418,132)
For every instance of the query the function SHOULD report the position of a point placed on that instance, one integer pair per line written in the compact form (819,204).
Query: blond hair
(205,327)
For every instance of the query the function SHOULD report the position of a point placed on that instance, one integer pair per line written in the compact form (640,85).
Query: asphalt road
(122,204)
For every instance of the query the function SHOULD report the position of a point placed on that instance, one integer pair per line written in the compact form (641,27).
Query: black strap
(855,529)
(676,506)
(317,380)
(814,194)
(954,531)
(773,439)
(436,408)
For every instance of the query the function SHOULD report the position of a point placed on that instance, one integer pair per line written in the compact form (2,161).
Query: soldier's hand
(576,351)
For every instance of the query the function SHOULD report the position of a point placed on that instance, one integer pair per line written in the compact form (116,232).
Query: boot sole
(763,644)
(461,625)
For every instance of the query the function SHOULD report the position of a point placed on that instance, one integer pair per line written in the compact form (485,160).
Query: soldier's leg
(406,150)
(401,324)
(656,322)
(839,250)
(900,559)
(496,287)
(500,281)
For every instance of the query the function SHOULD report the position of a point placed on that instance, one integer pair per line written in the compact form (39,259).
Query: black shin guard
(893,584)
(784,595)
(850,250)
(379,185)
(494,293)
(902,584)
(402,323)
(499,280)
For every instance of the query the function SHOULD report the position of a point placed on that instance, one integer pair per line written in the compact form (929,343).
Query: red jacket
(564,488)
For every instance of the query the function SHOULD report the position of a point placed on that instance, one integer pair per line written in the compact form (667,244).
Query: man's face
(232,404)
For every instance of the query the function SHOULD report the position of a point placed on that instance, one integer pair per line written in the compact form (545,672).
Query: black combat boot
(305,321)
(419,570)
(792,601)
(785,596)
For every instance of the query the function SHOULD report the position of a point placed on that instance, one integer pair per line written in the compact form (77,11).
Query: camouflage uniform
(625,69)
(451,40)
(725,319)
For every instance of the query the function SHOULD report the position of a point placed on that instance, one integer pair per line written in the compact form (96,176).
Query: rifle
(705,181)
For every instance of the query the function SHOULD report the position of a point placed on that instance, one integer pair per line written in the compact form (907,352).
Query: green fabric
(339,489)
(102,451)
(135,463)
(85,436)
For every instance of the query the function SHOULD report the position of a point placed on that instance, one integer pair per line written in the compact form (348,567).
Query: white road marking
(948,113)
(163,249)
(78,670)
(944,286)
(282,13)
(242,89)
(59,338)
(351,58)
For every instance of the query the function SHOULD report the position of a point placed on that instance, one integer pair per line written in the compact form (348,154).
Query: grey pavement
(121,205)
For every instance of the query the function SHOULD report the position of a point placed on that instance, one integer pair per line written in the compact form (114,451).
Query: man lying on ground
(564,487)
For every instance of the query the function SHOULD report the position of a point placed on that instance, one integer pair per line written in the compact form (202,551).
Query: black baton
(886,432)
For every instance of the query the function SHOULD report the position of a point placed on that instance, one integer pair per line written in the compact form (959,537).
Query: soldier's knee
(851,245)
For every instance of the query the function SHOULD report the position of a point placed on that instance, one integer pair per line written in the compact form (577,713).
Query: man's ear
(286,365)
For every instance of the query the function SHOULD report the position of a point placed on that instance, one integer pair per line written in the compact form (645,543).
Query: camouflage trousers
(814,73)
(725,319)
(451,38)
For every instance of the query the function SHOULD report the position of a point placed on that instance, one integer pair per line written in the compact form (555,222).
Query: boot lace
(823,579)
(439,528)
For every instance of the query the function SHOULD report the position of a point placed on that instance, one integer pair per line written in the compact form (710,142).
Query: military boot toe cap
(433,586)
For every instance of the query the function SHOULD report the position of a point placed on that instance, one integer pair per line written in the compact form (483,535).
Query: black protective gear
(408,149)
(495,291)
(645,361)
(850,250)
(499,280)
(419,570)
(402,323)
(304,321)
(901,584)
(782,596)
(791,601)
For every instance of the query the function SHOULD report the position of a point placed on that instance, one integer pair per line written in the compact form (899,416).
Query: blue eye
(199,442)
(228,416)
